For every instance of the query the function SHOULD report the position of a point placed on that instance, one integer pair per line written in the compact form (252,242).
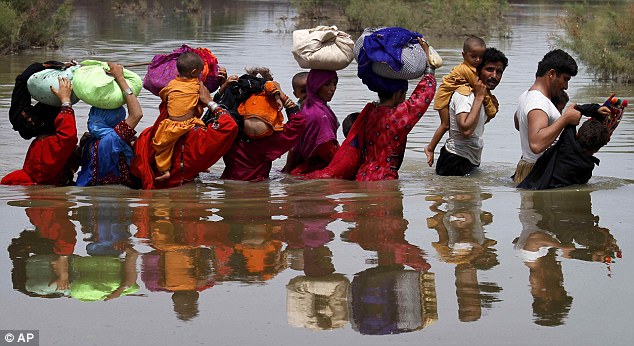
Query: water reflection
(553,223)
(461,241)
(45,262)
(318,299)
(388,298)
(392,300)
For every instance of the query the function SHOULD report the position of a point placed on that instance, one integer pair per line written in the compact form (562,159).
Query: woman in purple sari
(316,148)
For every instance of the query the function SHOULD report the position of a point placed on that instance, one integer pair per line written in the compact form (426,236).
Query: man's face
(491,74)
(558,82)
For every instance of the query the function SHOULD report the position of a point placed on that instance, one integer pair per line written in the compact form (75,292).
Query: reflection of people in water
(38,271)
(41,256)
(461,241)
(318,300)
(388,299)
(380,226)
(178,264)
(552,222)
(392,300)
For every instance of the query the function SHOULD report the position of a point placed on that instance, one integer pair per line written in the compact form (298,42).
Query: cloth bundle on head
(385,46)
(163,69)
(320,118)
(43,115)
(94,86)
(323,47)
(40,83)
(101,123)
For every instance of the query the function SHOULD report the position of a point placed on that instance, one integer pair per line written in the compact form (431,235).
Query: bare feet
(430,155)
(164,176)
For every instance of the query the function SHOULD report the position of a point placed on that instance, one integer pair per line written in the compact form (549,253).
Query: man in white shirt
(536,117)
(463,149)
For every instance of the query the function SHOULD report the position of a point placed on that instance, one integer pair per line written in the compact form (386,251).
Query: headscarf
(321,121)
(101,123)
(42,115)
(385,46)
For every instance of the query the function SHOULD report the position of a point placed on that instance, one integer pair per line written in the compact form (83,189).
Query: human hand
(204,96)
(116,70)
(64,91)
(278,100)
(571,115)
(479,89)
(604,110)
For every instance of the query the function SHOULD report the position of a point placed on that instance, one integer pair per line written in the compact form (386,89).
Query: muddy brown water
(425,260)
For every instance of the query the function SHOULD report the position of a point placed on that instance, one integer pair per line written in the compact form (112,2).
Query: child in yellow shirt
(460,79)
(183,107)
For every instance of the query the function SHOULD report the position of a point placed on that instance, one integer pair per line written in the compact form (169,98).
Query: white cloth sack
(323,47)
(39,85)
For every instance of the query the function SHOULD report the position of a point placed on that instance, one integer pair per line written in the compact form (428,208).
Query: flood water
(423,260)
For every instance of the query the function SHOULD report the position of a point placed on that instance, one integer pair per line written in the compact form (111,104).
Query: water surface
(425,259)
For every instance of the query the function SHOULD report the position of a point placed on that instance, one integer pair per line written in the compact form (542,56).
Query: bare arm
(516,121)
(135,113)
(541,135)
(467,121)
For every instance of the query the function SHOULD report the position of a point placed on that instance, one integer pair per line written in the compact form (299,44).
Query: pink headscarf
(321,122)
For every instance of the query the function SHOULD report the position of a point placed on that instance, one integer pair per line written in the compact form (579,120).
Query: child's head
(473,50)
(592,135)
(299,85)
(348,121)
(189,65)
(560,100)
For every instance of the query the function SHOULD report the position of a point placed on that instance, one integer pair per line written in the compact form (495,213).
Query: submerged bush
(32,23)
(430,17)
(602,38)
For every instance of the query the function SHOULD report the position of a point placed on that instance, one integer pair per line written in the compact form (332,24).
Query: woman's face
(327,91)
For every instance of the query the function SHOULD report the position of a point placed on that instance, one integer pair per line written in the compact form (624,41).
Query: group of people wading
(195,129)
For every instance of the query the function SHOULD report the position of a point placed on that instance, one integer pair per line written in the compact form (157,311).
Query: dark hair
(561,98)
(187,62)
(492,55)
(593,135)
(347,123)
(559,61)
(386,95)
(298,77)
(472,41)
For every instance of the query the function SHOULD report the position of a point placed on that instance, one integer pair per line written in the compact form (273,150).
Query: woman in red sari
(47,161)
(375,145)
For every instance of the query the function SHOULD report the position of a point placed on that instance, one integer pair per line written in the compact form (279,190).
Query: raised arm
(135,113)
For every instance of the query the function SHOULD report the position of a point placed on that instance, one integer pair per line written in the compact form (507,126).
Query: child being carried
(184,109)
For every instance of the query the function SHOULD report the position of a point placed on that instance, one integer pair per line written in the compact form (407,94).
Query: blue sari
(110,146)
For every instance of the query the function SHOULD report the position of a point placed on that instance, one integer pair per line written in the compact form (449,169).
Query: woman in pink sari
(316,148)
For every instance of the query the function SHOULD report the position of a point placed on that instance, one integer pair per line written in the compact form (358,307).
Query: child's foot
(164,176)
(430,155)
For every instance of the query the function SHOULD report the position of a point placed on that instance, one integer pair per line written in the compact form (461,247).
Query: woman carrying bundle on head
(375,146)
(48,160)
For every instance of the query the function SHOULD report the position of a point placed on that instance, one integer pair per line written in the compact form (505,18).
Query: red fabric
(376,142)
(194,152)
(324,154)
(54,223)
(251,160)
(47,157)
